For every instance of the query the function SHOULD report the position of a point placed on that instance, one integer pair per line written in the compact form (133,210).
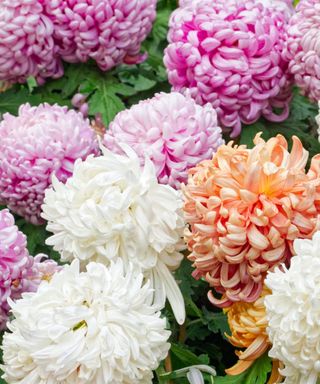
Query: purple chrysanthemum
(229,53)
(108,31)
(39,142)
(303,48)
(27,47)
(174,131)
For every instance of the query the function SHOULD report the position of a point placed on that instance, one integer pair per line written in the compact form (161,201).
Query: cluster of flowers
(35,35)
(116,216)
(117,213)
(245,209)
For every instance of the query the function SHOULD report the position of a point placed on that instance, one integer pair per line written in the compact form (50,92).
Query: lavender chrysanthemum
(14,262)
(27,47)
(108,31)
(303,48)
(39,142)
(19,272)
(229,53)
(172,130)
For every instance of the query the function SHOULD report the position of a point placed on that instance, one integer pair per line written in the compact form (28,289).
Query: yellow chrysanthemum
(248,324)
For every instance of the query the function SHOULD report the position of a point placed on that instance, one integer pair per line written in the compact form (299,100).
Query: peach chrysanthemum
(248,322)
(244,209)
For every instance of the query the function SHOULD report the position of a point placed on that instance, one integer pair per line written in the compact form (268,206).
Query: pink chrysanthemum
(172,130)
(229,53)
(26,42)
(245,207)
(42,268)
(14,261)
(108,31)
(303,48)
(40,142)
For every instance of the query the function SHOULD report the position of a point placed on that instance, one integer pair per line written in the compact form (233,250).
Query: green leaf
(32,84)
(216,322)
(186,356)
(11,100)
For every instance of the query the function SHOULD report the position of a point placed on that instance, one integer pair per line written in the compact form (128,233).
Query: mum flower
(248,322)
(302,47)
(108,31)
(172,130)
(293,313)
(244,208)
(92,327)
(39,142)
(229,54)
(26,42)
(19,272)
(112,208)
(14,261)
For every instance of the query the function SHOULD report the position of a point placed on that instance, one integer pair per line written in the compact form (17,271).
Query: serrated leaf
(11,100)
(216,322)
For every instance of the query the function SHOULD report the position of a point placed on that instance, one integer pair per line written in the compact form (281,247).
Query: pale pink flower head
(39,142)
(303,48)
(229,54)
(27,47)
(42,268)
(244,209)
(170,129)
(14,261)
(107,31)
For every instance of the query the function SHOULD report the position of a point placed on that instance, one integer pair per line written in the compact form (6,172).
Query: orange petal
(239,367)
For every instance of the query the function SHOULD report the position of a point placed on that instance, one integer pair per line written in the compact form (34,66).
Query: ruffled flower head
(39,142)
(303,49)
(293,313)
(14,261)
(111,208)
(172,130)
(244,208)
(229,54)
(92,327)
(107,31)
(248,323)
(26,42)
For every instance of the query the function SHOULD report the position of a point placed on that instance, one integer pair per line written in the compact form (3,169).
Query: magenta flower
(303,48)
(39,142)
(172,130)
(26,42)
(14,261)
(229,53)
(108,31)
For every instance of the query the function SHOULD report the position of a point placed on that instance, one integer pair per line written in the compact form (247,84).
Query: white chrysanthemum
(293,312)
(112,208)
(92,327)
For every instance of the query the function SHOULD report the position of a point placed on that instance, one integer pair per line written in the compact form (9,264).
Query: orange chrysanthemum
(248,322)
(245,207)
